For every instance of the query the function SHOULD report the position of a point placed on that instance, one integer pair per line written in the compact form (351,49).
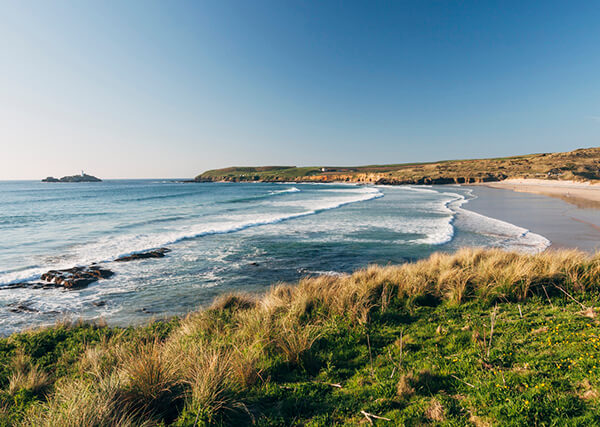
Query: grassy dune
(479,337)
(578,165)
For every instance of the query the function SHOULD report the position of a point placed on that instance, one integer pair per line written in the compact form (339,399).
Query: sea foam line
(446,234)
(510,236)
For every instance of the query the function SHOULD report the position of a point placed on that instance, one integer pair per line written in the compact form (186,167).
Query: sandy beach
(569,218)
(581,194)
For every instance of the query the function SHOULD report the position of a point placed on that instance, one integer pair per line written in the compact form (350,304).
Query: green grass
(413,344)
(538,370)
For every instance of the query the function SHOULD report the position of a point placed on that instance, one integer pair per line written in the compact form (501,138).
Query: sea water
(223,237)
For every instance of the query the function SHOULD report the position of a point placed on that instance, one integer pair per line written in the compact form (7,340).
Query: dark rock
(99,303)
(157,253)
(76,277)
(70,278)
(50,179)
(22,308)
(80,277)
(255,264)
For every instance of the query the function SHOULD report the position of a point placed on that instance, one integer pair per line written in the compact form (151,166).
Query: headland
(578,165)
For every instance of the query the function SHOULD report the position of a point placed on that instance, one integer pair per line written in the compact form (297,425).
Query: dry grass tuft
(435,411)
(210,381)
(405,388)
(149,379)
(99,361)
(589,312)
(26,376)
(237,301)
(294,339)
(586,391)
(79,403)
(478,421)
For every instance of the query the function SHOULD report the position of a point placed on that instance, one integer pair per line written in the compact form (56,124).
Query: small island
(73,178)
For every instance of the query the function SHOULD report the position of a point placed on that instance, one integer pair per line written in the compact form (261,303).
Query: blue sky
(172,88)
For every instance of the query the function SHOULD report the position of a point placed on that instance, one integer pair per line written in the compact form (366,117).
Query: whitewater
(222,236)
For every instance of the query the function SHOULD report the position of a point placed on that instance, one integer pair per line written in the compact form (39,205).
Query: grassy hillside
(479,337)
(583,164)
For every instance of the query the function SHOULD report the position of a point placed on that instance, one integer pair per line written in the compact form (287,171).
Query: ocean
(223,237)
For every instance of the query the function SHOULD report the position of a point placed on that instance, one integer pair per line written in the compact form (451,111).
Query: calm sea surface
(223,236)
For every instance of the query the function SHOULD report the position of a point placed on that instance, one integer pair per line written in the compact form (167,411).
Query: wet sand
(565,224)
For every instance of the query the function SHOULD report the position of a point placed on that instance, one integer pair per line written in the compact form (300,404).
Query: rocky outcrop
(80,277)
(157,253)
(70,278)
(76,277)
(73,178)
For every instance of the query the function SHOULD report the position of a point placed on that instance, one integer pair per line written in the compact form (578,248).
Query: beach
(580,194)
(566,213)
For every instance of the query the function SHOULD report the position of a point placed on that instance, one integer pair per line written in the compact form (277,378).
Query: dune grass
(478,337)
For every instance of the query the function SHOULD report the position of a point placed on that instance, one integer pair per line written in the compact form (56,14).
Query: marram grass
(478,337)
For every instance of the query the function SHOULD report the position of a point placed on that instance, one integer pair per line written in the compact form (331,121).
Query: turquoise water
(223,237)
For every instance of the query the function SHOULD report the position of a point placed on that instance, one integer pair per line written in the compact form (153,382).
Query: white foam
(287,190)
(442,230)
(331,273)
(508,236)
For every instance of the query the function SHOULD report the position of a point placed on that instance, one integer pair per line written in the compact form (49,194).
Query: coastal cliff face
(389,179)
(578,165)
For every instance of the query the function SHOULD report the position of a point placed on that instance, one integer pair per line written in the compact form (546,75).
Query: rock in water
(157,253)
(79,277)
(76,277)
(22,308)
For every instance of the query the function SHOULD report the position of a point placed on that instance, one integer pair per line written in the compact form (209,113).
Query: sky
(168,89)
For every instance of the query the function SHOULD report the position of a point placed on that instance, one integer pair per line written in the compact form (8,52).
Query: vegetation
(478,337)
(581,165)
